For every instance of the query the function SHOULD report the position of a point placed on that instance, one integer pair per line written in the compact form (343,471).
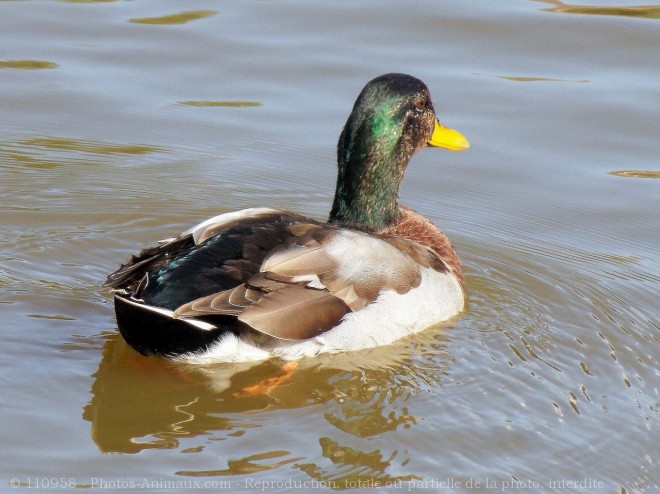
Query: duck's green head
(392,119)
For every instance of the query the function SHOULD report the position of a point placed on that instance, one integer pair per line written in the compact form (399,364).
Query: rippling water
(126,122)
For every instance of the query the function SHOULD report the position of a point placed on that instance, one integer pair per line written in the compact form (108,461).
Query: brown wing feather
(304,253)
(394,266)
(230,302)
(295,313)
(213,305)
(291,313)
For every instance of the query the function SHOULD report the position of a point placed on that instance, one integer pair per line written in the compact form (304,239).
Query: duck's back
(215,255)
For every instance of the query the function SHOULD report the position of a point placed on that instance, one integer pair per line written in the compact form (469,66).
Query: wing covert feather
(295,313)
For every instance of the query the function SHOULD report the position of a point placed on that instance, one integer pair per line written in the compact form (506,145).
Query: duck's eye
(420,104)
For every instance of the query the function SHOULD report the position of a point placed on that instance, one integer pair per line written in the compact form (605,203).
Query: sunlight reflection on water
(148,121)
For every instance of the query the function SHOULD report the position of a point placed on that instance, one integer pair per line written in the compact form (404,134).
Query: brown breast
(414,226)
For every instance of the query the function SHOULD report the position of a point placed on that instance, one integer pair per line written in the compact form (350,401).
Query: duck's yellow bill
(444,137)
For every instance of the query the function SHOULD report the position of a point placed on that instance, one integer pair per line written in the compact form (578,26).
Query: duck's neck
(371,167)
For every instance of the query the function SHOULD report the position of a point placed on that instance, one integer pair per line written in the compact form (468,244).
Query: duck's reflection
(142,403)
(641,11)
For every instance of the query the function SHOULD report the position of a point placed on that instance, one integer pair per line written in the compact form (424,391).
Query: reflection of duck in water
(263,282)
(166,405)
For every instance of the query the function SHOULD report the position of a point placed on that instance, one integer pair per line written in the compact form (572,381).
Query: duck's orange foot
(267,385)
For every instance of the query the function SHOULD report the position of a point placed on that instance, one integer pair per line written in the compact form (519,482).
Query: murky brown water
(126,122)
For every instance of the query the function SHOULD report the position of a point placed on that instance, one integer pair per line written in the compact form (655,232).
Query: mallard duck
(265,282)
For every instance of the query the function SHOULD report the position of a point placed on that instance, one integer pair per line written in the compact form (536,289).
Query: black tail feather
(130,273)
(154,333)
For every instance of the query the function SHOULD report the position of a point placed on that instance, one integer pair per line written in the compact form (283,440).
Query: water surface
(126,122)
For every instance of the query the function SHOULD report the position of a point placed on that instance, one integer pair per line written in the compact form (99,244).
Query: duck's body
(266,282)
